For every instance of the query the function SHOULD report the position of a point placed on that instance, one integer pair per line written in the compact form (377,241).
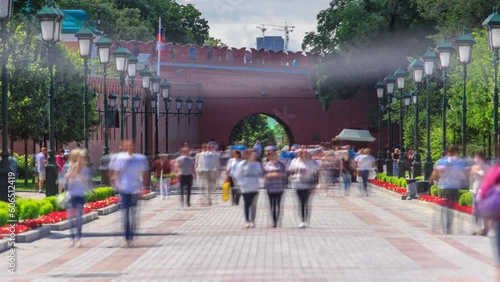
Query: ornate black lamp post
(121,59)
(145,79)
(390,80)
(444,48)
(418,72)
(155,82)
(465,43)
(103,49)
(493,24)
(165,93)
(6,175)
(85,37)
(132,70)
(51,23)
(380,86)
(400,75)
(429,58)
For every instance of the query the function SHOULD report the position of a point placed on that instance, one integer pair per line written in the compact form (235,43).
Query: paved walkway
(379,238)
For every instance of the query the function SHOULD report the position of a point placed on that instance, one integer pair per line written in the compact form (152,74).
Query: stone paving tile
(379,238)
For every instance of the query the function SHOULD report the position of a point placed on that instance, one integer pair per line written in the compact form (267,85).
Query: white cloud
(235,21)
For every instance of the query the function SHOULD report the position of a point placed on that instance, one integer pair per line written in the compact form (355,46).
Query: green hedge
(465,199)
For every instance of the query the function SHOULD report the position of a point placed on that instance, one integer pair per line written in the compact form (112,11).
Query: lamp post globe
(400,75)
(465,42)
(6,173)
(390,82)
(429,59)
(445,49)
(50,25)
(380,86)
(199,103)
(112,99)
(493,25)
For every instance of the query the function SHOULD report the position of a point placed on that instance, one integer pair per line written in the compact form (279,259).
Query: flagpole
(158,42)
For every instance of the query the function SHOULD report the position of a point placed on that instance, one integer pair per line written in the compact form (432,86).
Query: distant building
(274,43)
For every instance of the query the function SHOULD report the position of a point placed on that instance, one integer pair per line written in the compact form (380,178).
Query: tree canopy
(250,129)
(136,19)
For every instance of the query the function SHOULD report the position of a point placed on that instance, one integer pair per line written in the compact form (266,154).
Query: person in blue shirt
(451,173)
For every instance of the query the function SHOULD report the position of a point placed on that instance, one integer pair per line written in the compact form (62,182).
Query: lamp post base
(380,165)
(51,179)
(104,170)
(401,167)
(428,168)
(417,169)
(388,167)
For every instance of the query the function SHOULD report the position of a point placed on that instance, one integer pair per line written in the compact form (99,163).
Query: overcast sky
(235,21)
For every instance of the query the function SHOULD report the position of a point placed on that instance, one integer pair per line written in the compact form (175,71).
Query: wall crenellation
(190,53)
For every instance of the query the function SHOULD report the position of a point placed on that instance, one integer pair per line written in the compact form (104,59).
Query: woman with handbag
(79,181)
(304,177)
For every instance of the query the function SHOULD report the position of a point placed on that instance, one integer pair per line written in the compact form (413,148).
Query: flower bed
(56,216)
(389,186)
(174,181)
(144,192)
(425,198)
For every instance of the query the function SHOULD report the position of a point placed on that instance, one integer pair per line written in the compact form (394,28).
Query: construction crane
(287,29)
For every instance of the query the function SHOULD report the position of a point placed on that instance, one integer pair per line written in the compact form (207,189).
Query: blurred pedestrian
(452,175)
(248,174)
(477,173)
(185,173)
(127,170)
(347,170)
(274,182)
(41,161)
(365,164)
(79,181)
(304,178)
(232,163)
(161,166)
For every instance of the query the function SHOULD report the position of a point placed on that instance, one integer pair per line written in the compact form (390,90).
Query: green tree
(139,19)
(361,41)
(250,129)
(214,42)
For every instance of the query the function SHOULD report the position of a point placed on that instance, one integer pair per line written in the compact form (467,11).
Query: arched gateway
(233,83)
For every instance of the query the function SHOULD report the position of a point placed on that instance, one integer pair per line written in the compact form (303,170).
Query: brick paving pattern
(379,238)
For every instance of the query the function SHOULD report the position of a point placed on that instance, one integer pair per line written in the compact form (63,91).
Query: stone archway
(286,128)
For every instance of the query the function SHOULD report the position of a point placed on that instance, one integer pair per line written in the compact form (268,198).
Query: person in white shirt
(127,168)
(248,174)
(365,164)
(303,175)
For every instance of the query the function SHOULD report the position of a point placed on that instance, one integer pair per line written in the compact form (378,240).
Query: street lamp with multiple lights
(165,93)
(51,24)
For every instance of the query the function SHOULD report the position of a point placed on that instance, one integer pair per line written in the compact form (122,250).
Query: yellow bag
(226,187)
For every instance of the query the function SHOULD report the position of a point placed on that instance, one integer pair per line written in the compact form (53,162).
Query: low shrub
(465,199)
(4,216)
(434,190)
(45,209)
(419,178)
(53,201)
(29,209)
